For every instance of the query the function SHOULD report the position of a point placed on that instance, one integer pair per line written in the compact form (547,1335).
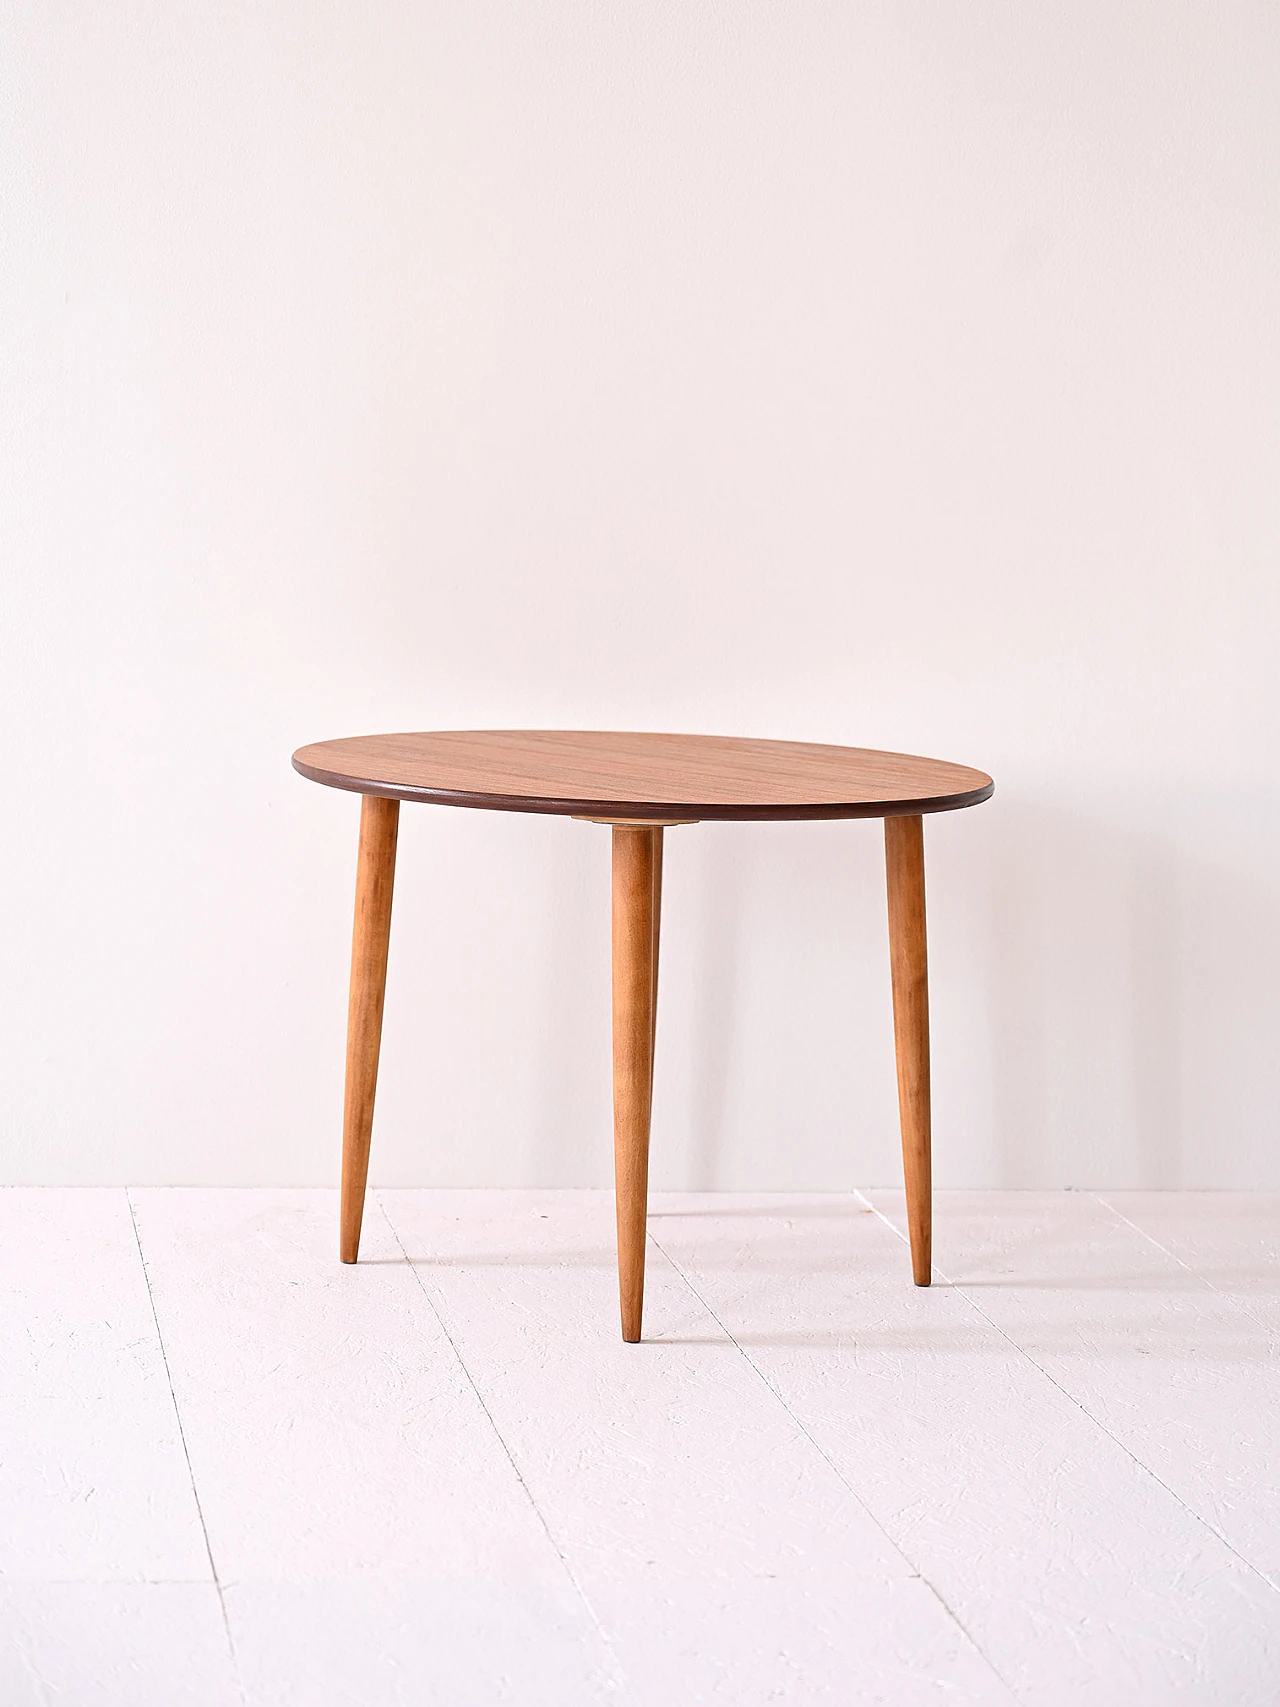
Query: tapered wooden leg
(634,975)
(375,879)
(656,833)
(904,869)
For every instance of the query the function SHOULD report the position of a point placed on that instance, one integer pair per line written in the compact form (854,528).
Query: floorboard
(1078,1575)
(1229,1239)
(235,1473)
(724,1555)
(374,1541)
(94,1483)
(1171,1367)
(114,1645)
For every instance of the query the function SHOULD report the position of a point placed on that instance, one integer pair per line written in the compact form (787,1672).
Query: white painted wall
(892,374)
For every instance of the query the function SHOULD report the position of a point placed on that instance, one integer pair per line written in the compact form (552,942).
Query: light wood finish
(375,880)
(640,784)
(635,940)
(586,773)
(656,834)
(908,958)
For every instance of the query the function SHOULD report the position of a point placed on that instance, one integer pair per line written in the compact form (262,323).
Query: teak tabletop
(589,773)
(639,784)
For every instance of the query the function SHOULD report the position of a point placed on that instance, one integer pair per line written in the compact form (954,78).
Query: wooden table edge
(623,810)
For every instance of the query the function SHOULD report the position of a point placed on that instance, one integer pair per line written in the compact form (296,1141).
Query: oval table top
(617,776)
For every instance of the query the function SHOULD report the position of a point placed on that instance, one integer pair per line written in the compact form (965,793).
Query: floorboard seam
(1084,1410)
(1228,1298)
(27,1661)
(839,1473)
(182,1436)
(620,1676)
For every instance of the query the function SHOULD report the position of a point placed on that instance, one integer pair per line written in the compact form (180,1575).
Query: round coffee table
(641,785)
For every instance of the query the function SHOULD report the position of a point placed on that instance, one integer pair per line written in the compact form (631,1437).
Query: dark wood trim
(620,810)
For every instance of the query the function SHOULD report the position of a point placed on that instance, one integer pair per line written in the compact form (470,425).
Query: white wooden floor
(233,1471)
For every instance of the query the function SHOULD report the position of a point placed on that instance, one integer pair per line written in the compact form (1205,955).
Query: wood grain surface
(371,934)
(625,776)
(635,979)
(909,963)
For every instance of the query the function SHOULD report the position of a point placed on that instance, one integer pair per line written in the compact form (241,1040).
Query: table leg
(657,930)
(908,958)
(375,879)
(635,942)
